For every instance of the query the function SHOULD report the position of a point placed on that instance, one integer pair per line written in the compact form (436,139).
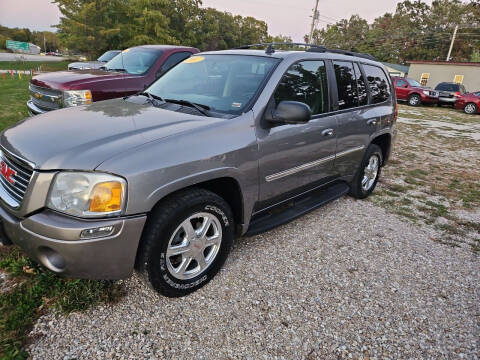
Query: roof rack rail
(270,49)
(270,46)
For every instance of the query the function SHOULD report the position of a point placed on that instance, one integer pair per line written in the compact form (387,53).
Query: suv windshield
(136,61)
(414,83)
(109,55)
(447,87)
(223,83)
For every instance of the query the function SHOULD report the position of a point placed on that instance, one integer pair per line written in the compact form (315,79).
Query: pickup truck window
(223,83)
(379,85)
(346,85)
(306,82)
(136,61)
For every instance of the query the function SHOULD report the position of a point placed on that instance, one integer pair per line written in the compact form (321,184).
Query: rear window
(378,83)
(447,87)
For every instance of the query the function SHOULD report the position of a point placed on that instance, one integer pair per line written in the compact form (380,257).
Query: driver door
(294,156)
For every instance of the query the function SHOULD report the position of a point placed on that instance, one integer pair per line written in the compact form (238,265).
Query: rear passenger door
(295,156)
(363,101)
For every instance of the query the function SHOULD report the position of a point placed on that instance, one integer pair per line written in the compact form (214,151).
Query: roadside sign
(17,45)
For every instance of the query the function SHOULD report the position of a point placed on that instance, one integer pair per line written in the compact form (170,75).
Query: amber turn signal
(106,197)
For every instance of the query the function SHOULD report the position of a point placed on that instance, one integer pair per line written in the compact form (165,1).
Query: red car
(131,71)
(413,92)
(469,102)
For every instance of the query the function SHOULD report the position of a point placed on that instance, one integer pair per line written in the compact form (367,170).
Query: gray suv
(225,144)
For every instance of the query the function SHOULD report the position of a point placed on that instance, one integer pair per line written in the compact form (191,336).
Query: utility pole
(451,44)
(314,20)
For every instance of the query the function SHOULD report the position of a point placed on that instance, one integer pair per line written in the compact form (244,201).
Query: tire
(358,189)
(167,232)
(470,108)
(414,100)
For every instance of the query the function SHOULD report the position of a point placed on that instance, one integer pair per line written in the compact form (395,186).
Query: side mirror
(405,86)
(289,112)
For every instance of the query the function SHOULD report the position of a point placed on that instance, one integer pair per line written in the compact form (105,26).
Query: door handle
(327,132)
(372,122)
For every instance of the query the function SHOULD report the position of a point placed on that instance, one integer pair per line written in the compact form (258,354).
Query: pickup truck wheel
(470,108)
(414,100)
(186,241)
(367,175)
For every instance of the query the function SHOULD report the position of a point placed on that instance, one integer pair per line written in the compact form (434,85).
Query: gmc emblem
(7,172)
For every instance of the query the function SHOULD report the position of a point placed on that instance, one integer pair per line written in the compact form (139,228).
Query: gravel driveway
(348,280)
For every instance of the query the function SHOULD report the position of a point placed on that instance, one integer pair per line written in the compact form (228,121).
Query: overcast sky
(284,17)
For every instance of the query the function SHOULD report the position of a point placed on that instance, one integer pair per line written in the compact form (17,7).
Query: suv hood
(81,138)
(76,79)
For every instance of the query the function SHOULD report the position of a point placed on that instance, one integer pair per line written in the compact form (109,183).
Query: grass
(34,65)
(32,290)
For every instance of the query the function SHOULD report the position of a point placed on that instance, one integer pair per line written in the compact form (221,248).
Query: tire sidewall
(359,191)
(157,269)
(418,100)
(474,108)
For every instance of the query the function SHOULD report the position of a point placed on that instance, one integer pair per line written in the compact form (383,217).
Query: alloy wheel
(370,172)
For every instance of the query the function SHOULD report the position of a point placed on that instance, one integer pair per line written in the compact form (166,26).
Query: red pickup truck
(413,92)
(131,71)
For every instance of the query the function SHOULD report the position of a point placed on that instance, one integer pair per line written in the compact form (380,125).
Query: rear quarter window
(378,83)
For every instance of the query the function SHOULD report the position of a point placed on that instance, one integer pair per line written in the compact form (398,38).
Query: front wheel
(186,241)
(414,100)
(470,108)
(367,175)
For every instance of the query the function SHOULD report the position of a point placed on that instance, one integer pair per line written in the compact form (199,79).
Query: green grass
(13,98)
(29,65)
(34,289)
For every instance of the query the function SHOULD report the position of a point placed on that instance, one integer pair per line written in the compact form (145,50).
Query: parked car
(469,102)
(225,144)
(89,65)
(128,73)
(449,92)
(413,92)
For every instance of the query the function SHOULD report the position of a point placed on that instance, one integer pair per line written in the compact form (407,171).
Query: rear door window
(361,86)
(378,83)
(346,85)
(305,82)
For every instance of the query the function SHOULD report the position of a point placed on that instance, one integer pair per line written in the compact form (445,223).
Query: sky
(286,17)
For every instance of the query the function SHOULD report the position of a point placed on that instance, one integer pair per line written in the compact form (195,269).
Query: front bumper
(34,109)
(429,99)
(54,241)
(447,100)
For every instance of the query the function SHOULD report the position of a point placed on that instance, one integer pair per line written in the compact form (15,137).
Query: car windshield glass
(223,83)
(447,87)
(136,61)
(109,55)
(414,82)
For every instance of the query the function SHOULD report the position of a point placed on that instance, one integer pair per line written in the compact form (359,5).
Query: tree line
(94,26)
(415,31)
(26,35)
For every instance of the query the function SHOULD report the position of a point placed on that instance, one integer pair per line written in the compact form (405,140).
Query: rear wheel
(414,100)
(470,108)
(367,175)
(186,241)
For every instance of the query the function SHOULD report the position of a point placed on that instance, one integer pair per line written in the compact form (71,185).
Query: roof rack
(270,49)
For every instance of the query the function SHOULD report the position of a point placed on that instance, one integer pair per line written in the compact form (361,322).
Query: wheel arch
(384,141)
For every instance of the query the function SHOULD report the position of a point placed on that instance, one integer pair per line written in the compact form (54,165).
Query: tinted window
(401,83)
(135,61)
(109,55)
(346,84)
(175,59)
(361,86)
(305,82)
(447,87)
(378,83)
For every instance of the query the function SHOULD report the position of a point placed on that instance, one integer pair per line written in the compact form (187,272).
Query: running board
(297,207)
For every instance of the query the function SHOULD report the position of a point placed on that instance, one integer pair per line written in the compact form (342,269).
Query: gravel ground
(346,281)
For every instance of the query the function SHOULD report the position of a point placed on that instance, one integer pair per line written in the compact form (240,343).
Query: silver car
(225,144)
(94,65)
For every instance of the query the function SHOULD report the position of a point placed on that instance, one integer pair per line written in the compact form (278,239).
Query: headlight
(87,194)
(77,97)
(426,92)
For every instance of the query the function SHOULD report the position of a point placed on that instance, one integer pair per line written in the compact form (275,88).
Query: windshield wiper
(151,97)
(118,70)
(203,109)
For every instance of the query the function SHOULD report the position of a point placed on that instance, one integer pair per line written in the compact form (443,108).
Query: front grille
(44,98)
(19,174)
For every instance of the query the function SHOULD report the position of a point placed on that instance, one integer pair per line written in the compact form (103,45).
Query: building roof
(444,63)
(398,67)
